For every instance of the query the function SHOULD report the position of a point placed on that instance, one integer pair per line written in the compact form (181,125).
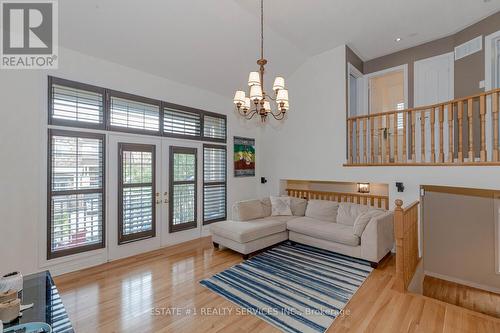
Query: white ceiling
(213,44)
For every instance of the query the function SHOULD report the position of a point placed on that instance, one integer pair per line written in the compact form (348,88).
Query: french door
(152,193)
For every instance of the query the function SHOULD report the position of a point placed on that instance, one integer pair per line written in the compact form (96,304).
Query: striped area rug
(296,288)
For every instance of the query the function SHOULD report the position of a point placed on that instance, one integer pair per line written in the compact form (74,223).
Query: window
(214,183)
(183,192)
(179,123)
(214,128)
(75,104)
(81,105)
(75,193)
(136,192)
(137,114)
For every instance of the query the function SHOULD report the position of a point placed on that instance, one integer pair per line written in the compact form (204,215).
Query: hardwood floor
(119,296)
(471,298)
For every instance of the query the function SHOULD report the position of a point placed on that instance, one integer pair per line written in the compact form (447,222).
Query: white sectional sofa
(352,229)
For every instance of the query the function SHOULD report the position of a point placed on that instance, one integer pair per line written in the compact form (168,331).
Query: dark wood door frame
(192,224)
(123,239)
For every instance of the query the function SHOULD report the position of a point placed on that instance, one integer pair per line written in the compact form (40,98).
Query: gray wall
(469,71)
(459,238)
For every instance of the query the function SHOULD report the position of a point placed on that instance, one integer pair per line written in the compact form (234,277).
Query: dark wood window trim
(133,98)
(50,194)
(206,222)
(75,85)
(123,239)
(214,115)
(107,93)
(189,225)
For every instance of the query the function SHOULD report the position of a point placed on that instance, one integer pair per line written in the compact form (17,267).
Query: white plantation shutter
(214,127)
(76,104)
(136,192)
(76,192)
(181,123)
(134,115)
(214,183)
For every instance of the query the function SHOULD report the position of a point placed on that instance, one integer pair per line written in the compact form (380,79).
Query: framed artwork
(244,157)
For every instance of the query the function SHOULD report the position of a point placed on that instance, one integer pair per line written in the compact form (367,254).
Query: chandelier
(258,101)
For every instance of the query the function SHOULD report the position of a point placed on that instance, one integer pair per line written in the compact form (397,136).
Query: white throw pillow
(363,219)
(280,206)
(297,205)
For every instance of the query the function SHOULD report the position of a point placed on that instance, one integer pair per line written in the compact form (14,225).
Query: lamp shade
(247,104)
(282,96)
(279,83)
(254,78)
(267,106)
(239,97)
(256,92)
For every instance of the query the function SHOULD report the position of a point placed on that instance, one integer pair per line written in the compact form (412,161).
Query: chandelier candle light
(258,101)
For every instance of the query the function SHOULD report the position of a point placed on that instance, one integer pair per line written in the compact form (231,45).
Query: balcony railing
(459,132)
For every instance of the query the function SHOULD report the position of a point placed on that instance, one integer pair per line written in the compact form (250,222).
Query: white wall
(23,137)
(311,144)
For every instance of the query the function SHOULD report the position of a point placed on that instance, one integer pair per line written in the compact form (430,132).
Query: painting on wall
(244,157)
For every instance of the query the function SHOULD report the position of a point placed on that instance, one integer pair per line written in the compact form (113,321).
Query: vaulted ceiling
(213,44)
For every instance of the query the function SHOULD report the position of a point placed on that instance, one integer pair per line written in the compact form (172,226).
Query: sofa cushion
(348,212)
(280,206)
(325,230)
(364,218)
(266,206)
(298,206)
(323,210)
(248,210)
(247,231)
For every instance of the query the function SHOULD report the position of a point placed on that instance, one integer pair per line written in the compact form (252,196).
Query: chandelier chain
(262,29)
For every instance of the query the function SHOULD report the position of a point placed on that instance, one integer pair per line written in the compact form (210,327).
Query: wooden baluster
(451,152)
(482,115)
(350,154)
(380,137)
(365,148)
(396,138)
(460,114)
(433,135)
(413,122)
(388,139)
(372,201)
(471,129)
(422,136)
(494,109)
(372,141)
(441,134)
(405,157)
(358,139)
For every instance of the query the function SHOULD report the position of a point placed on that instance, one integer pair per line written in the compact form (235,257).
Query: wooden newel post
(399,283)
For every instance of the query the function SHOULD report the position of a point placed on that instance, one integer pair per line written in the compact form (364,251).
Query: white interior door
(134,195)
(433,84)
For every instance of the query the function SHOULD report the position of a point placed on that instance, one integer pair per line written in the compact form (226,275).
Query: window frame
(214,115)
(133,98)
(187,109)
(222,147)
(106,125)
(136,147)
(76,85)
(75,134)
(188,225)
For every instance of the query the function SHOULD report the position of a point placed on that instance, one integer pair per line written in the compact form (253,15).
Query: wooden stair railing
(406,236)
(379,201)
(463,131)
